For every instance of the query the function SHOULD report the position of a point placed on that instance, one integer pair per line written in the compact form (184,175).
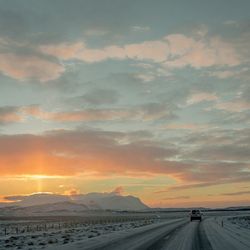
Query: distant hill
(111,201)
(47,203)
(37,199)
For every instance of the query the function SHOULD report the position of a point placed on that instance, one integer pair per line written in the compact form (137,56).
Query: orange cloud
(71,153)
(118,190)
(95,155)
(72,192)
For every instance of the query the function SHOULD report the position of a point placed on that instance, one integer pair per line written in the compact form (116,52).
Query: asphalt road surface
(190,236)
(178,234)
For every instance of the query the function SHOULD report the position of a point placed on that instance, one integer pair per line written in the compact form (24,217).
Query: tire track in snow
(190,236)
(221,238)
(204,243)
(167,237)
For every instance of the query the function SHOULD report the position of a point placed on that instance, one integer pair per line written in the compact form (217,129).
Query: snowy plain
(217,231)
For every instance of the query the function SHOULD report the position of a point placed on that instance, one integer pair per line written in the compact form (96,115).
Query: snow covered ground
(241,221)
(34,234)
(228,233)
(217,231)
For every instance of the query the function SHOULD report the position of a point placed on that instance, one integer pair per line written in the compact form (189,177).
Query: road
(178,234)
(190,236)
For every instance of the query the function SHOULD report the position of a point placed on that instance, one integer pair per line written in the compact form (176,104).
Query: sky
(150,97)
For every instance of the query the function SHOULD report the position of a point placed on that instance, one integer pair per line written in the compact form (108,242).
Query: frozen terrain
(150,231)
(48,203)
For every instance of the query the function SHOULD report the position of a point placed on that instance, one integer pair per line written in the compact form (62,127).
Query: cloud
(218,156)
(239,73)
(155,111)
(22,67)
(177,198)
(64,51)
(186,126)
(218,145)
(85,115)
(223,74)
(97,97)
(213,52)
(17,114)
(118,190)
(73,152)
(231,22)
(72,192)
(236,193)
(103,153)
(222,152)
(78,115)
(96,32)
(199,185)
(218,136)
(140,28)
(172,51)
(245,94)
(9,114)
(71,116)
(201,97)
(145,112)
(146,77)
(37,199)
(180,44)
(233,106)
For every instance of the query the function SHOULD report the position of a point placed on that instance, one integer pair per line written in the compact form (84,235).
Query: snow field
(39,237)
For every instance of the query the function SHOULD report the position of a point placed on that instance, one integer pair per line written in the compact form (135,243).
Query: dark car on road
(195,214)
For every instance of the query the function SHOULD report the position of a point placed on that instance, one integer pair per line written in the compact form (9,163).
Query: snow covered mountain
(37,199)
(111,201)
(54,203)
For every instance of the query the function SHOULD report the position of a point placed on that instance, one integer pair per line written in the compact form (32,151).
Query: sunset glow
(155,103)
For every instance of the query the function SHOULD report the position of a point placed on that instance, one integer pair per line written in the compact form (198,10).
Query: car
(195,214)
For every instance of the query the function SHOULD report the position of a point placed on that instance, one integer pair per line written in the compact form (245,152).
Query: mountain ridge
(48,203)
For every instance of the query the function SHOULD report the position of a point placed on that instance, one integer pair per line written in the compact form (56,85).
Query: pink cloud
(233,106)
(173,51)
(223,74)
(202,53)
(180,44)
(73,116)
(151,111)
(63,51)
(9,114)
(23,67)
(201,97)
